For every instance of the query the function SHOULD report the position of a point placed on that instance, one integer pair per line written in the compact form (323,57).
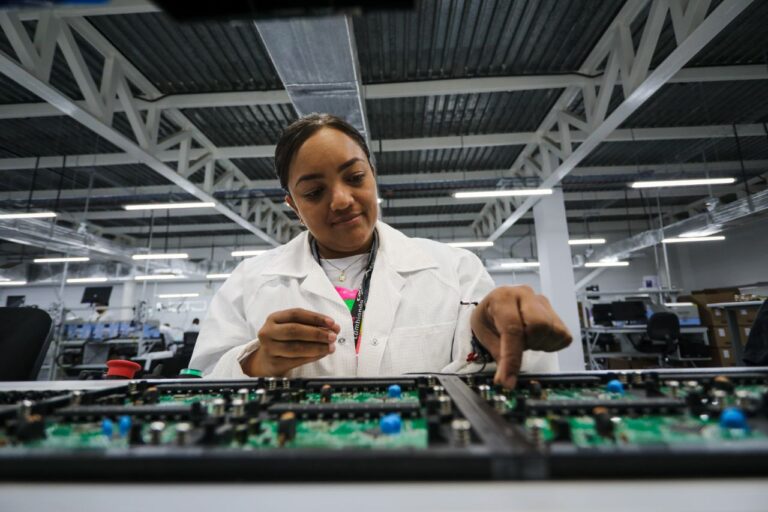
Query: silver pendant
(342,277)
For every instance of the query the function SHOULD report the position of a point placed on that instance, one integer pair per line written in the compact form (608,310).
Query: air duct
(718,216)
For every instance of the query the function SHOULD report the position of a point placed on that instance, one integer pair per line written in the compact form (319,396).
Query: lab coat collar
(401,253)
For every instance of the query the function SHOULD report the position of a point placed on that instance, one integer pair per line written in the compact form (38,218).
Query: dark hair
(302,129)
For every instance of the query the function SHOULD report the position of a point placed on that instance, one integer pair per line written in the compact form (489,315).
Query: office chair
(756,348)
(24,339)
(661,327)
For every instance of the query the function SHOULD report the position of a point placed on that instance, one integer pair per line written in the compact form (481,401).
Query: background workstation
(568,108)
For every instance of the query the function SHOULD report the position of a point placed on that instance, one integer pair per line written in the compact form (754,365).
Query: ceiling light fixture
(678,240)
(217,276)
(682,183)
(158,277)
(472,244)
(587,241)
(12,283)
(503,193)
(241,254)
(81,280)
(597,264)
(63,259)
(161,256)
(519,264)
(177,295)
(167,206)
(29,215)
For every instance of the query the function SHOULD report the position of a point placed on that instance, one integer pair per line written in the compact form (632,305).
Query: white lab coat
(413,319)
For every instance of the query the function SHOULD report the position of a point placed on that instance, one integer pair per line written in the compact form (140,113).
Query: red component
(122,369)
(472,357)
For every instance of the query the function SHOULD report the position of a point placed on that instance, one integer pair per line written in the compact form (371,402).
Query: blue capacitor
(124,425)
(394,391)
(615,386)
(391,424)
(733,417)
(107,427)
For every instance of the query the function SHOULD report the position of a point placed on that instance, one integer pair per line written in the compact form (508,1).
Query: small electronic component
(615,386)
(391,424)
(286,428)
(733,418)
(326,393)
(394,391)
(603,423)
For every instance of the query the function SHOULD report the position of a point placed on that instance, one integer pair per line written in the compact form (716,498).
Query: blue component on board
(615,386)
(391,424)
(394,391)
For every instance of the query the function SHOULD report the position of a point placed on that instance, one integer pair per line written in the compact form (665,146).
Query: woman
(354,297)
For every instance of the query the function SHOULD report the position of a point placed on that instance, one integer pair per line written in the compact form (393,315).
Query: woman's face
(333,191)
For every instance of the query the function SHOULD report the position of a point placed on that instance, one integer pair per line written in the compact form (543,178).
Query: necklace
(342,276)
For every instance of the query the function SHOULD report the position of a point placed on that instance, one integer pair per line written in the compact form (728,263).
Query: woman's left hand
(512,319)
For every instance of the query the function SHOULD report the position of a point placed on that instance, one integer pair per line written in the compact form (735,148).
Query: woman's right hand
(291,338)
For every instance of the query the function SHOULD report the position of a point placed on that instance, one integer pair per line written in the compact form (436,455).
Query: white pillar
(556,272)
(128,299)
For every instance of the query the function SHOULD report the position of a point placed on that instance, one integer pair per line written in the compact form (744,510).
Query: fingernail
(331,337)
(331,348)
(329,322)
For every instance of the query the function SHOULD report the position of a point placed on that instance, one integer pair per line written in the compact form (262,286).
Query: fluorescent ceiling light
(682,183)
(158,277)
(29,215)
(504,193)
(587,241)
(177,295)
(478,243)
(520,264)
(12,283)
(379,201)
(694,239)
(62,259)
(217,276)
(596,264)
(76,280)
(161,256)
(248,253)
(167,206)
(678,304)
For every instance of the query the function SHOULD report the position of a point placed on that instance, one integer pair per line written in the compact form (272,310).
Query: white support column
(128,296)
(556,272)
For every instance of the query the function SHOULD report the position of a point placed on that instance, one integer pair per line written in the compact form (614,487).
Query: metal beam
(617,51)
(392,145)
(119,79)
(477,85)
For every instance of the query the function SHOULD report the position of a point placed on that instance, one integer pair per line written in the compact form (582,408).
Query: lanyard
(362,295)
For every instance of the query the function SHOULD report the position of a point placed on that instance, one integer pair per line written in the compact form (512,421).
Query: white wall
(741,259)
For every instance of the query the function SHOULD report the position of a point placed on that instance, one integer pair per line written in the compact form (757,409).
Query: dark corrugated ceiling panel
(459,114)
(457,159)
(42,136)
(677,151)
(694,104)
(243,126)
(461,38)
(192,57)
(257,168)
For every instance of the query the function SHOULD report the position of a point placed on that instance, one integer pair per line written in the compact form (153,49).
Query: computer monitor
(602,314)
(630,312)
(96,295)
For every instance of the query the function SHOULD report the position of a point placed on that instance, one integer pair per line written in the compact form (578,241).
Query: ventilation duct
(316,59)
(716,218)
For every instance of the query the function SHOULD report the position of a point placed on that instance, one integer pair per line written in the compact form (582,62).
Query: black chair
(756,348)
(25,334)
(171,367)
(662,334)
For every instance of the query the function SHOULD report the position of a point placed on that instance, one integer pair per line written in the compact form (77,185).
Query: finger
(301,332)
(283,364)
(303,316)
(509,324)
(544,329)
(511,359)
(300,349)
